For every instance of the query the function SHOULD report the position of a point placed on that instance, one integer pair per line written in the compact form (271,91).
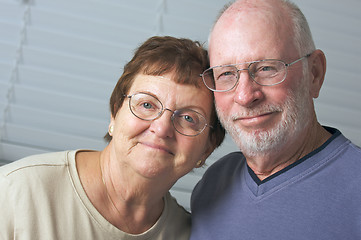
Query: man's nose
(247,91)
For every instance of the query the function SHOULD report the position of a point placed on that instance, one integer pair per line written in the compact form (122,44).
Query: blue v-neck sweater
(317,197)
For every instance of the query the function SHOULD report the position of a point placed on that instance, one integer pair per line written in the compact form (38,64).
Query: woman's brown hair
(185,58)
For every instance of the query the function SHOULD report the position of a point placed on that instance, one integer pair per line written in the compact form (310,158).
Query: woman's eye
(147,105)
(188,118)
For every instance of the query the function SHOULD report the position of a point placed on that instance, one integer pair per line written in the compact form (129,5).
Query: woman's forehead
(170,92)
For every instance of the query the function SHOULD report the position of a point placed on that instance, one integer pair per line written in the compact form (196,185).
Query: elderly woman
(162,125)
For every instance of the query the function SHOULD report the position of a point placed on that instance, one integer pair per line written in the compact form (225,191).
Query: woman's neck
(129,203)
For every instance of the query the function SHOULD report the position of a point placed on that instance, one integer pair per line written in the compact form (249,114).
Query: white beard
(296,115)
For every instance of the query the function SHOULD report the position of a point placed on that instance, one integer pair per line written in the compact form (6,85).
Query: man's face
(260,118)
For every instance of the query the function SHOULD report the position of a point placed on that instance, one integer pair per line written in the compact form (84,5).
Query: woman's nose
(163,126)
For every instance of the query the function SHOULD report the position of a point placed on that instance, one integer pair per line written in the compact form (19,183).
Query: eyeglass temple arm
(289,64)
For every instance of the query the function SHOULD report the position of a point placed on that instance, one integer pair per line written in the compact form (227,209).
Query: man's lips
(159,147)
(255,116)
(255,119)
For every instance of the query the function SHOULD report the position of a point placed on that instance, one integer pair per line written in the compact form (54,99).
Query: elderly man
(294,178)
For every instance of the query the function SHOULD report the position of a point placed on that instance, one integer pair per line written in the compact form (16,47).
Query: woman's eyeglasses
(187,122)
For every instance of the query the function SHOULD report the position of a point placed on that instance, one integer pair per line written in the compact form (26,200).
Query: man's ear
(317,71)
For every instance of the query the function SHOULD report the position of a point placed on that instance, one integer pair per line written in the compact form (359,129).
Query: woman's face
(154,148)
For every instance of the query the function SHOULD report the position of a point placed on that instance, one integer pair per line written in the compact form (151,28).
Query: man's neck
(268,164)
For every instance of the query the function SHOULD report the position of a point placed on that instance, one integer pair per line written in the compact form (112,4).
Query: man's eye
(228,73)
(266,71)
(267,68)
(226,76)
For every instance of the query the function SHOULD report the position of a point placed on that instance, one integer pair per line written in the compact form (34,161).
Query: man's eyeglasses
(266,72)
(185,121)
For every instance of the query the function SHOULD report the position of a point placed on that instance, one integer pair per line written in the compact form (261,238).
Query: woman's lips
(159,147)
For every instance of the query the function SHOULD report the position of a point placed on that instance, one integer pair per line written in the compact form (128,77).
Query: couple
(292,179)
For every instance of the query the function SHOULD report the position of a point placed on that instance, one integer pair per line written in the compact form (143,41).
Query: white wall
(59,61)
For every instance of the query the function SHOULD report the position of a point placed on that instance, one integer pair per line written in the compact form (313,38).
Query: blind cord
(14,74)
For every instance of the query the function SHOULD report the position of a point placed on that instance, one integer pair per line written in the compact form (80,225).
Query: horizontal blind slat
(60,102)
(77,45)
(70,64)
(46,80)
(57,122)
(11,152)
(50,141)
(88,28)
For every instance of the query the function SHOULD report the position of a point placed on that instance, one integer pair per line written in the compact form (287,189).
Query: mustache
(259,110)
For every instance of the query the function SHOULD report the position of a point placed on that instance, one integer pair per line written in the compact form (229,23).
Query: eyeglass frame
(248,70)
(163,110)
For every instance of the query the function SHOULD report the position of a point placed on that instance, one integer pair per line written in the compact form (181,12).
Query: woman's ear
(317,71)
(111,126)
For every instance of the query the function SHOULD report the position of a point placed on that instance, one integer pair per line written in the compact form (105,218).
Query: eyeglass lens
(224,78)
(185,121)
